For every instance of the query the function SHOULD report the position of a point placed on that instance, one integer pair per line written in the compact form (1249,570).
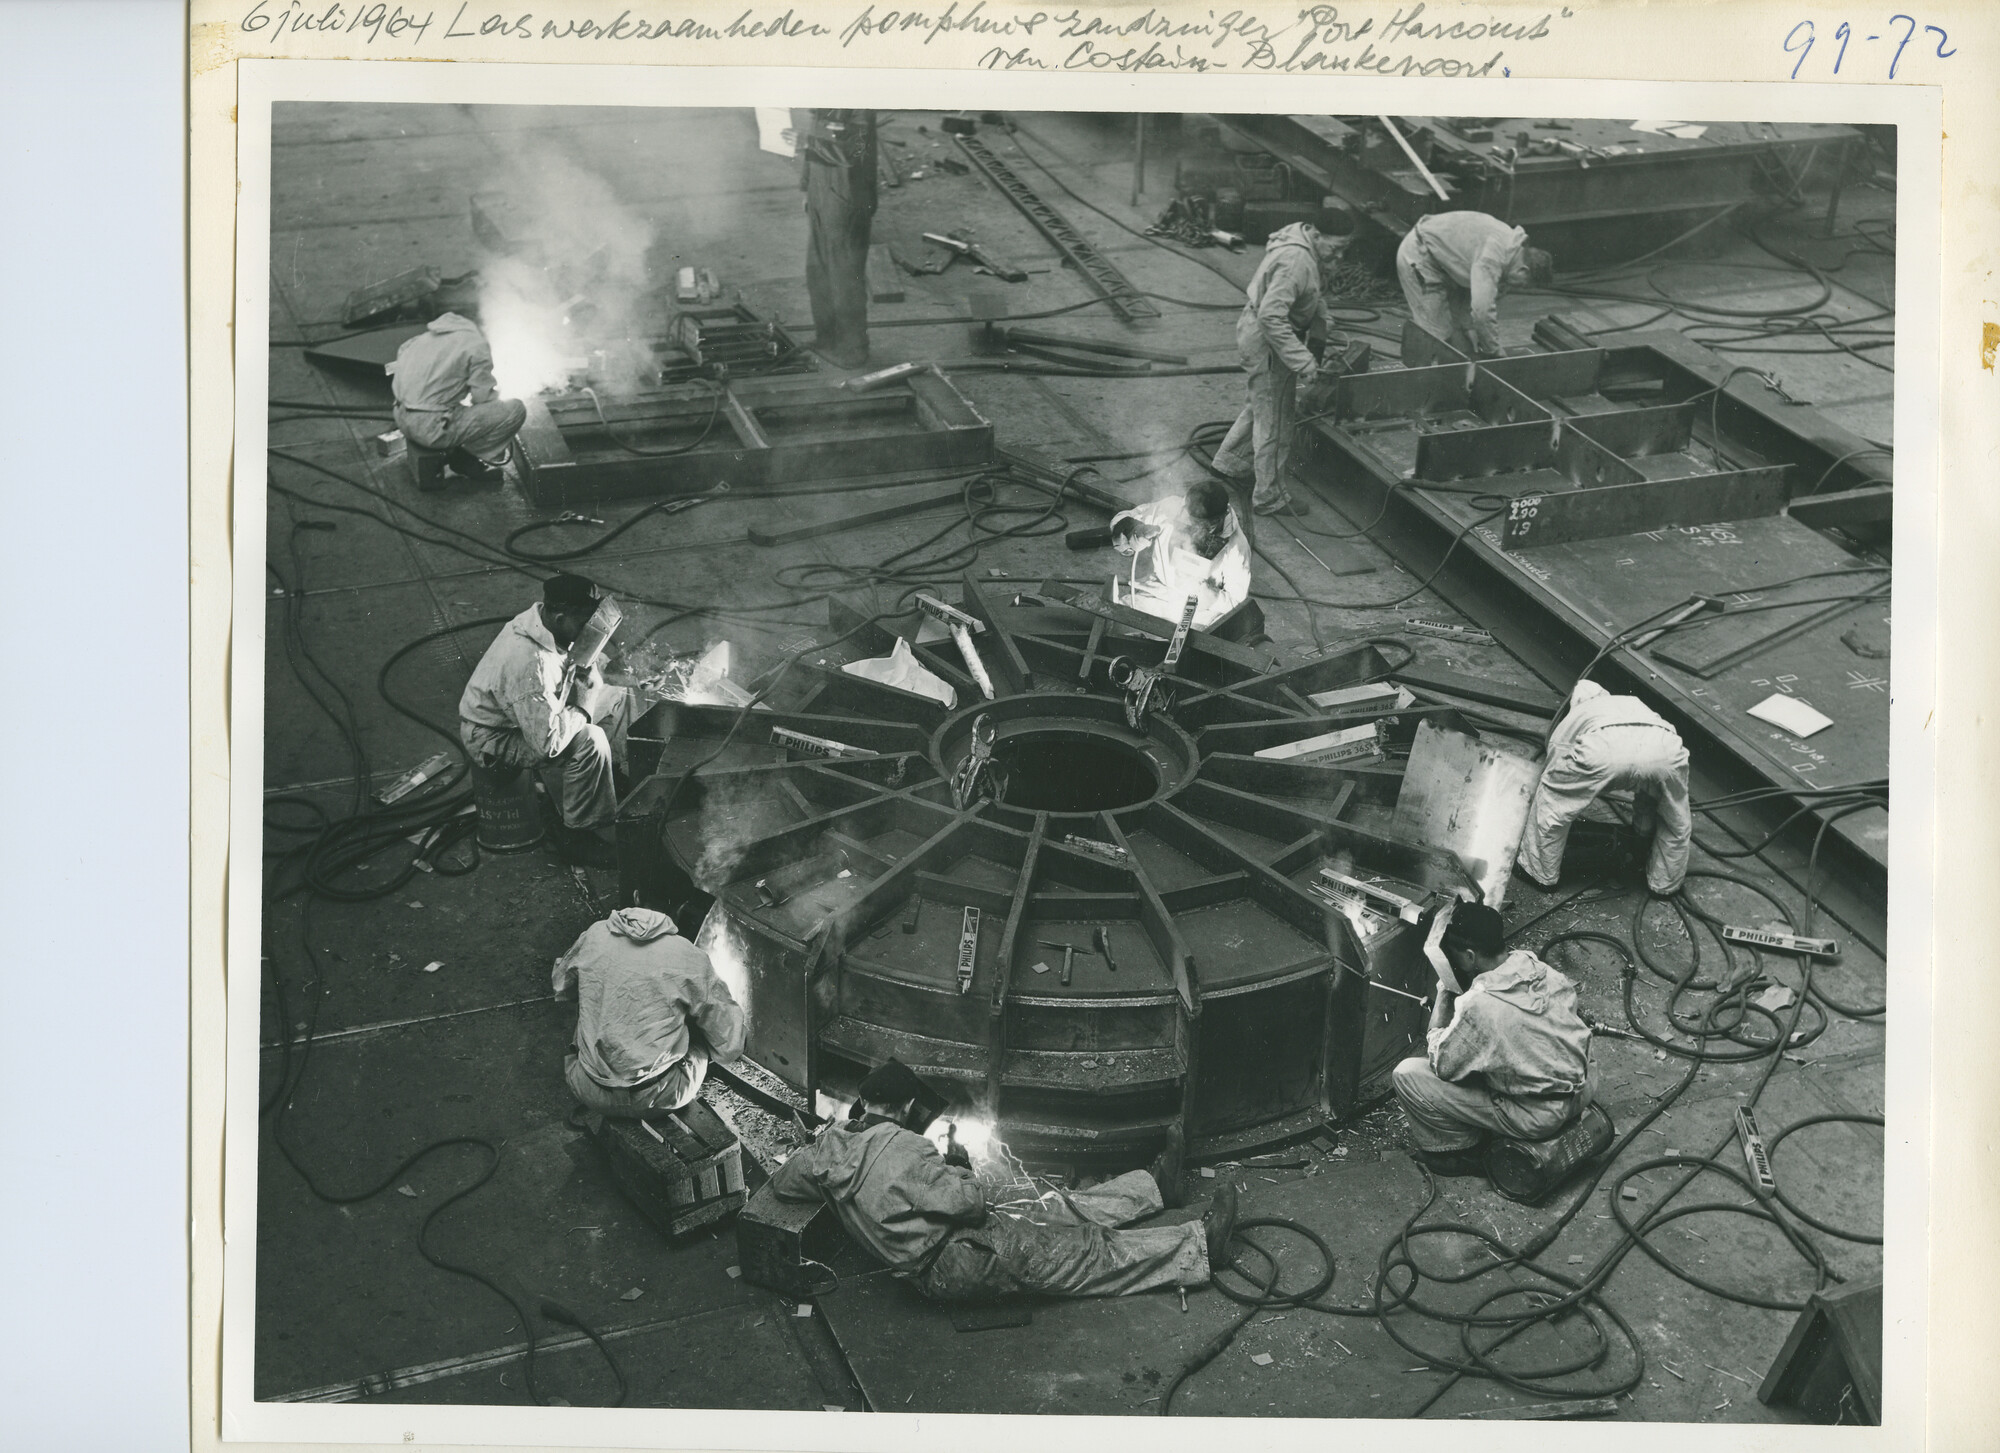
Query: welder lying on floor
(1181,546)
(650,1015)
(1509,1055)
(931,1221)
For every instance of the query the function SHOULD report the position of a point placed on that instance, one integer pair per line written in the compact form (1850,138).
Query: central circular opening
(1058,771)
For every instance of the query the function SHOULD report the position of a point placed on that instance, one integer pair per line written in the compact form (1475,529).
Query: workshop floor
(430,1008)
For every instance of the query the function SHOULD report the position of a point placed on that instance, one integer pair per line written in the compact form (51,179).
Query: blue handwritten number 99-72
(1803,46)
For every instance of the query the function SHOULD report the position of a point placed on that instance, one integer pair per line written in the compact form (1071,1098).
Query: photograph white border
(261,83)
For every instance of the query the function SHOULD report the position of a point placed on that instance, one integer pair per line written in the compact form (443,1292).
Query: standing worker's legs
(1273,420)
(1673,823)
(1427,296)
(485,430)
(837,267)
(1570,783)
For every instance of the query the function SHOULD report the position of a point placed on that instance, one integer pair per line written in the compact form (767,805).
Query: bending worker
(526,706)
(929,1219)
(1454,267)
(1604,741)
(1284,313)
(650,1015)
(446,398)
(837,162)
(1508,1055)
(1181,546)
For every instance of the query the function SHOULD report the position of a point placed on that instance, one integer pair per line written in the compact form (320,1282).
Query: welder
(527,705)
(446,398)
(1282,323)
(837,174)
(1185,545)
(1604,742)
(651,1015)
(1507,1054)
(1455,266)
(935,1224)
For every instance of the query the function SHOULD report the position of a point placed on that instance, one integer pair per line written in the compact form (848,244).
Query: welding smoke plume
(574,281)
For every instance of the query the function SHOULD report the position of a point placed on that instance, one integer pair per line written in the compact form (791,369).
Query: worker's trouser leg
(481,430)
(837,266)
(673,1090)
(1436,305)
(1260,441)
(1648,758)
(1068,1245)
(1445,1116)
(579,777)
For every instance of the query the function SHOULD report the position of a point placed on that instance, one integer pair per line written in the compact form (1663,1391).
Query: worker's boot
(582,847)
(471,468)
(1286,503)
(1467,1162)
(1169,1168)
(1220,1222)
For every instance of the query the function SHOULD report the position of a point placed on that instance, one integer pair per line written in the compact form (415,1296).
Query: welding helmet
(1434,931)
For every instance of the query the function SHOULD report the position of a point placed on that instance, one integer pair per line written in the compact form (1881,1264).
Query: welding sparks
(719,939)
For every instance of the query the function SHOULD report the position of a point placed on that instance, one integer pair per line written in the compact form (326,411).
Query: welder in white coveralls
(1605,742)
(446,397)
(1454,267)
(931,1221)
(1284,314)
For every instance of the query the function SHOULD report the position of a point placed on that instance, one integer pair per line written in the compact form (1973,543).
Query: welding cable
(717,392)
(1771,1151)
(549,557)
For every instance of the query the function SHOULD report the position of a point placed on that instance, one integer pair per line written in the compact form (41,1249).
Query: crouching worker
(1508,1055)
(1192,545)
(446,398)
(527,706)
(930,1221)
(1604,742)
(650,1015)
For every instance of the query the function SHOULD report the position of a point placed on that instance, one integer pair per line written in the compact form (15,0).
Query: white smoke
(569,297)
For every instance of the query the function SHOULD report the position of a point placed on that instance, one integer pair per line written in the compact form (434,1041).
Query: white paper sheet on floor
(902,669)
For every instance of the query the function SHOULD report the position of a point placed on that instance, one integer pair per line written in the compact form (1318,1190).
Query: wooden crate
(690,1177)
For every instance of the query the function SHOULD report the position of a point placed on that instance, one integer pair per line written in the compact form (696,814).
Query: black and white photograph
(925,759)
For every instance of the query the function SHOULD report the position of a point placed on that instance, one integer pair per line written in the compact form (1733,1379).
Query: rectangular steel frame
(758,432)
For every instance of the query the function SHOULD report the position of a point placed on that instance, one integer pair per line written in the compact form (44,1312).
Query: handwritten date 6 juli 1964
(1897,32)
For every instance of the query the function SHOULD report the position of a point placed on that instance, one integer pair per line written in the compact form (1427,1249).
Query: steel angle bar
(1549,375)
(1587,464)
(1402,392)
(1422,348)
(1638,433)
(1451,454)
(1500,402)
(1111,284)
(1633,509)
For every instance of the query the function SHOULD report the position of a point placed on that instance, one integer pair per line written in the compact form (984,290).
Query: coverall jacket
(651,1015)
(433,375)
(1167,570)
(513,713)
(931,1224)
(1606,742)
(1283,310)
(1514,1060)
(1453,267)
(837,173)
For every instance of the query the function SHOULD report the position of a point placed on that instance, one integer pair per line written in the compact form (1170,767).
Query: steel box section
(764,432)
(1635,507)
(1546,621)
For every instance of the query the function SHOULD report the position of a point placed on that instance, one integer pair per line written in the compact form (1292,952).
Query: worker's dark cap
(1475,926)
(892,1083)
(1207,500)
(570,594)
